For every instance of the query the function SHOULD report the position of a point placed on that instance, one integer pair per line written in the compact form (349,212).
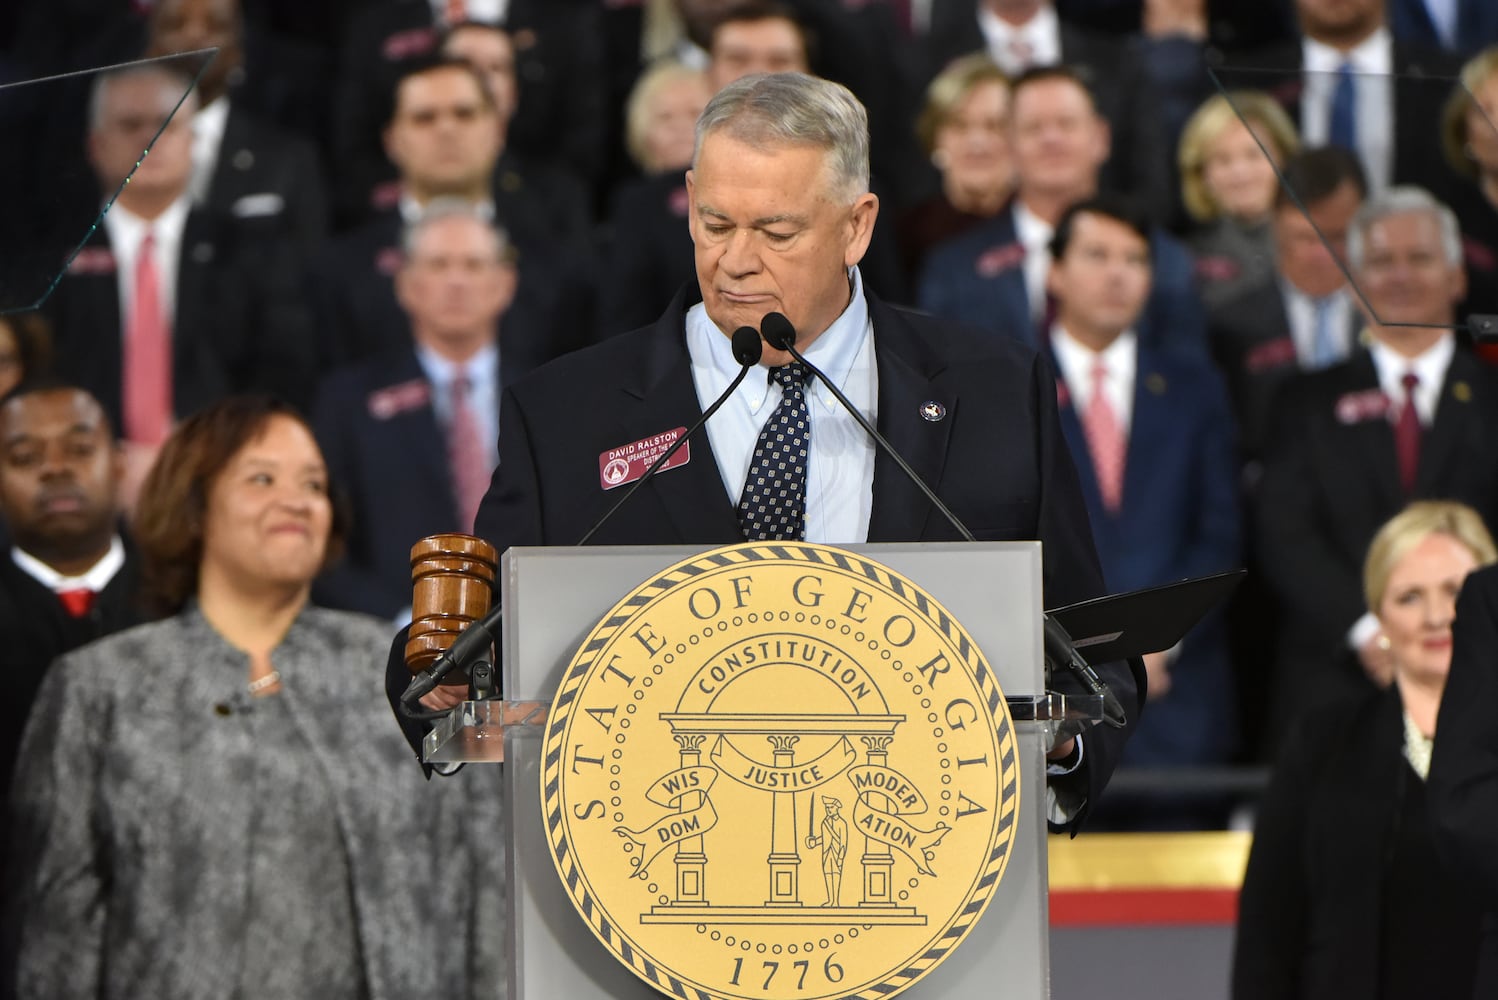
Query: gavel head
(452,585)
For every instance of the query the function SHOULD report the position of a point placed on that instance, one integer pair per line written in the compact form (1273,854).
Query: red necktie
(467,456)
(77,601)
(147,389)
(1106,441)
(1407,434)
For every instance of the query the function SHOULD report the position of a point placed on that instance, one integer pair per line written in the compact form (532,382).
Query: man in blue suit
(993,276)
(1152,436)
(410,434)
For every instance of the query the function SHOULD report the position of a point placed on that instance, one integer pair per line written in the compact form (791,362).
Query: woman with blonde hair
(1469,138)
(1344,895)
(1228,154)
(963,128)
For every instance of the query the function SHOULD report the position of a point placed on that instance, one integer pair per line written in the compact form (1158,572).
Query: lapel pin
(243,159)
(932,410)
(1155,383)
(1462,391)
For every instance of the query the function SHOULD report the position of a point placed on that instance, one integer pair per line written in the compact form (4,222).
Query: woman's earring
(1384,643)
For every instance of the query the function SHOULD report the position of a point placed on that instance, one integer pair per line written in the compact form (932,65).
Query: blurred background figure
(25,348)
(70,576)
(1344,894)
(647,255)
(169,306)
(236,753)
(1350,445)
(430,408)
(1470,139)
(244,167)
(447,138)
(1302,315)
(1228,154)
(1151,435)
(964,130)
(993,276)
(1458,26)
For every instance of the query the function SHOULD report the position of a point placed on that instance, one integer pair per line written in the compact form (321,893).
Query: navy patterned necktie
(773,505)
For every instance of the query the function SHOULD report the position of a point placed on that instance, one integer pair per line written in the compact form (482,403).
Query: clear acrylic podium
(553,597)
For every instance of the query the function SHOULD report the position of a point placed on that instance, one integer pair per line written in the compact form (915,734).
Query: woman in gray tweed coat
(216,804)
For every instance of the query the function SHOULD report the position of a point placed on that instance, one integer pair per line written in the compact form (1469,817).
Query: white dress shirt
(1444,14)
(207,140)
(95,578)
(1037,42)
(1430,367)
(1300,309)
(484,11)
(840,462)
(1372,62)
(1076,360)
(482,372)
(1034,234)
(126,230)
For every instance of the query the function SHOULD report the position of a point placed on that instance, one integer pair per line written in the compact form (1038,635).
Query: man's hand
(1157,671)
(1376,660)
(445,696)
(1062,750)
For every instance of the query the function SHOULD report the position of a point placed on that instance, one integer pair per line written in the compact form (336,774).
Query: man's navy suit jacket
(997,459)
(387,452)
(978,279)
(1178,519)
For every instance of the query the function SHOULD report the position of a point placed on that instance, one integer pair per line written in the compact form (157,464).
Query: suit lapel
(414,434)
(1151,430)
(908,388)
(1441,443)
(1374,436)
(666,398)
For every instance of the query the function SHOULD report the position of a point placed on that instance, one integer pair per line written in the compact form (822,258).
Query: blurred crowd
(1249,235)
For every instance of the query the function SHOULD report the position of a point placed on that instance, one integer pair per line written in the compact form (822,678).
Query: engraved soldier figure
(834,843)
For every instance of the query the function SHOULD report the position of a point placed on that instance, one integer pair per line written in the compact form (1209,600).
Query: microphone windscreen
(778,331)
(747,347)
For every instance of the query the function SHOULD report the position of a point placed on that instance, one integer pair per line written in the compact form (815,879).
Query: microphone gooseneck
(780,334)
(747,350)
(477,637)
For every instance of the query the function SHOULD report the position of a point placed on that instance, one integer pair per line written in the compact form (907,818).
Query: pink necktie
(1407,435)
(1105,440)
(467,455)
(456,12)
(147,389)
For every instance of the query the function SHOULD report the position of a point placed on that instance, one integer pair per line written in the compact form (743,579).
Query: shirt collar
(126,229)
(1374,54)
(410,209)
(1029,228)
(1076,359)
(441,372)
(1042,32)
(833,352)
(95,578)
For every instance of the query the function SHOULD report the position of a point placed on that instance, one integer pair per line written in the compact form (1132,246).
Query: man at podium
(780,214)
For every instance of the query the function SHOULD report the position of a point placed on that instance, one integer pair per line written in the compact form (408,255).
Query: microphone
(781,335)
(1059,648)
(747,349)
(476,638)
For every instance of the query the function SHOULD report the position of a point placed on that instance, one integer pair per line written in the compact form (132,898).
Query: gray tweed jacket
(132,807)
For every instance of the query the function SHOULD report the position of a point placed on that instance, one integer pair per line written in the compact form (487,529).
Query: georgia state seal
(780,770)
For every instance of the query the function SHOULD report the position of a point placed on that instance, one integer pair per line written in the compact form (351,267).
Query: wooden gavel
(452,586)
